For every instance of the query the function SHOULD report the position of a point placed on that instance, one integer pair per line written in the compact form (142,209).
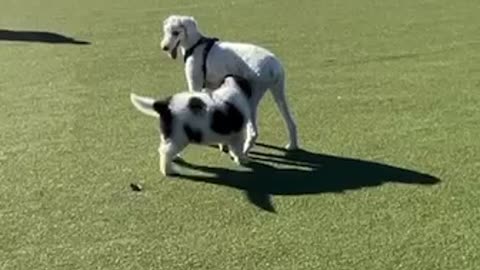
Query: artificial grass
(386,98)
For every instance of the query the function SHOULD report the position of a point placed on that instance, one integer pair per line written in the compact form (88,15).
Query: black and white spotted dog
(218,117)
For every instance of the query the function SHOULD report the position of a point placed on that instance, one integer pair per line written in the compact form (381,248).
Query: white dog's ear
(189,24)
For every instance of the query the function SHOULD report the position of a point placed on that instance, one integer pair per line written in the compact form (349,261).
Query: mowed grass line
(382,81)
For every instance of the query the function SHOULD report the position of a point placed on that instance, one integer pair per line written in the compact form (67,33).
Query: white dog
(202,118)
(208,60)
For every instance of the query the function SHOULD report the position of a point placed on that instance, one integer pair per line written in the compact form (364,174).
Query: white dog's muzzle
(172,51)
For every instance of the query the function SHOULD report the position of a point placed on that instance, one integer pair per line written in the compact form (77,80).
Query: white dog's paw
(242,160)
(291,146)
(177,158)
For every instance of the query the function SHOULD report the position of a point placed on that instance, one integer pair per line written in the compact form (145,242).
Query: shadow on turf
(314,173)
(36,36)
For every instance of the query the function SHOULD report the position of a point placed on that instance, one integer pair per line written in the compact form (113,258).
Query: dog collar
(208,46)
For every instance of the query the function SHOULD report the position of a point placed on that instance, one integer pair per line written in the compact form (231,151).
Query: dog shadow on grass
(308,173)
(39,36)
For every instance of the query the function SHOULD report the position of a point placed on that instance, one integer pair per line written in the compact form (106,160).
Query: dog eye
(175,33)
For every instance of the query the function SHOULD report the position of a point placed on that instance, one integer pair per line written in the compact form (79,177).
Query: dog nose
(165,48)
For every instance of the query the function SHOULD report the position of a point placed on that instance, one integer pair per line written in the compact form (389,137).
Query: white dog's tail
(144,104)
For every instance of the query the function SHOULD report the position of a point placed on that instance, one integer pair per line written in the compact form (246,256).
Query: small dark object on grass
(136,187)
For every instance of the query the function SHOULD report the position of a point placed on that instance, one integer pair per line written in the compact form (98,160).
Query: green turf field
(386,94)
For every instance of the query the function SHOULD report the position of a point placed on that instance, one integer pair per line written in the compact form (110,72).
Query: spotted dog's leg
(168,151)
(223,148)
(236,148)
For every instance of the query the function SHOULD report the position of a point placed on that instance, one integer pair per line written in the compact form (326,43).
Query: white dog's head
(178,30)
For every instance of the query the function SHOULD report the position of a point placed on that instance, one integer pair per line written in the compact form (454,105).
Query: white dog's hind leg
(278,92)
(252,127)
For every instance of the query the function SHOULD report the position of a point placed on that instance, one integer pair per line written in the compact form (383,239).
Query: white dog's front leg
(194,75)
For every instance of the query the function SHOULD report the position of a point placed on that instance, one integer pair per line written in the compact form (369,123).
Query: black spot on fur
(227,120)
(192,134)
(243,83)
(166,116)
(196,105)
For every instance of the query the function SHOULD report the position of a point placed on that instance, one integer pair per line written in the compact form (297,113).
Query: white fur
(259,66)
(172,146)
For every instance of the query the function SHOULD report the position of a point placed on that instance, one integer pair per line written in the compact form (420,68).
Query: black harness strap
(208,46)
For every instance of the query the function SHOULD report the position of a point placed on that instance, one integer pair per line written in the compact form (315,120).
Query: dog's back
(249,61)
(215,115)
(203,118)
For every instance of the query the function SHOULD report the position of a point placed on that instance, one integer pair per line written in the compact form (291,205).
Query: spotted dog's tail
(144,104)
(156,108)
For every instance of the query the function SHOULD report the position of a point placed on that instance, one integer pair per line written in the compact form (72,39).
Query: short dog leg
(168,152)
(236,150)
(223,148)
(166,166)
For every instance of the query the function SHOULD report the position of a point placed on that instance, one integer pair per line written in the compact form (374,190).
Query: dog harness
(208,46)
